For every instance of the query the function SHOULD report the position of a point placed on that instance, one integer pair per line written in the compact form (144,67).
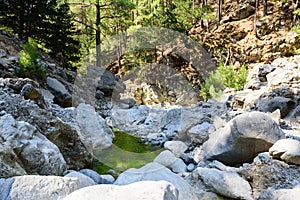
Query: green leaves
(224,77)
(29,61)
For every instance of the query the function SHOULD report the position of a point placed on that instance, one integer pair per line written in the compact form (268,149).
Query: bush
(223,77)
(30,61)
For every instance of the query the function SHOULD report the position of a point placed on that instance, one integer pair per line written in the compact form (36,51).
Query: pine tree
(47,21)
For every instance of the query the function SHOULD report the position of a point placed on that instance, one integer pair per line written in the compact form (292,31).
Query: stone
(225,183)
(5,187)
(37,154)
(84,181)
(92,174)
(10,164)
(190,167)
(156,172)
(93,128)
(243,138)
(107,179)
(264,70)
(176,147)
(28,91)
(169,160)
(279,76)
(281,194)
(285,105)
(146,190)
(199,133)
(109,83)
(265,173)
(287,150)
(42,187)
(62,96)
(54,122)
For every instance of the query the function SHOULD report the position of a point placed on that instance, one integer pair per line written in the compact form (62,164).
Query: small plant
(223,77)
(30,61)
(296,29)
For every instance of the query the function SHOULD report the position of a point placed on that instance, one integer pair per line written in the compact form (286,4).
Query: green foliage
(29,60)
(223,77)
(296,29)
(47,21)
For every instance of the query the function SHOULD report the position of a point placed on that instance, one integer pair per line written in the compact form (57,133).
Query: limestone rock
(42,187)
(37,153)
(199,133)
(156,172)
(10,164)
(84,181)
(287,150)
(62,95)
(169,160)
(177,147)
(243,138)
(146,190)
(228,184)
(93,175)
(281,194)
(93,128)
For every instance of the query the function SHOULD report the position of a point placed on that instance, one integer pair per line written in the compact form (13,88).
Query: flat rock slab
(243,138)
(146,190)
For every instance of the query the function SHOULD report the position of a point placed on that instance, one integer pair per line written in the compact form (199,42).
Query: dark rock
(285,105)
(110,84)
(62,96)
(30,92)
(264,70)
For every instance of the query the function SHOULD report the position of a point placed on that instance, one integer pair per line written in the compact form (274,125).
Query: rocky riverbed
(244,147)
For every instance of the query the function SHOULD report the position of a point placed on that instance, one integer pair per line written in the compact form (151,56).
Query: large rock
(37,154)
(97,135)
(228,184)
(157,172)
(56,123)
(146,190)
(243,138)
(109,84)
(39,187)
(62,95)
(287,150)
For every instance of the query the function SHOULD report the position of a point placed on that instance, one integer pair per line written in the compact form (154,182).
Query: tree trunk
(265,7)
(98,35)
(219,11)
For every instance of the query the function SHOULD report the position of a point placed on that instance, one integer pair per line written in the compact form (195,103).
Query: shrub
(223,77)
(296,29)
(30,63)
